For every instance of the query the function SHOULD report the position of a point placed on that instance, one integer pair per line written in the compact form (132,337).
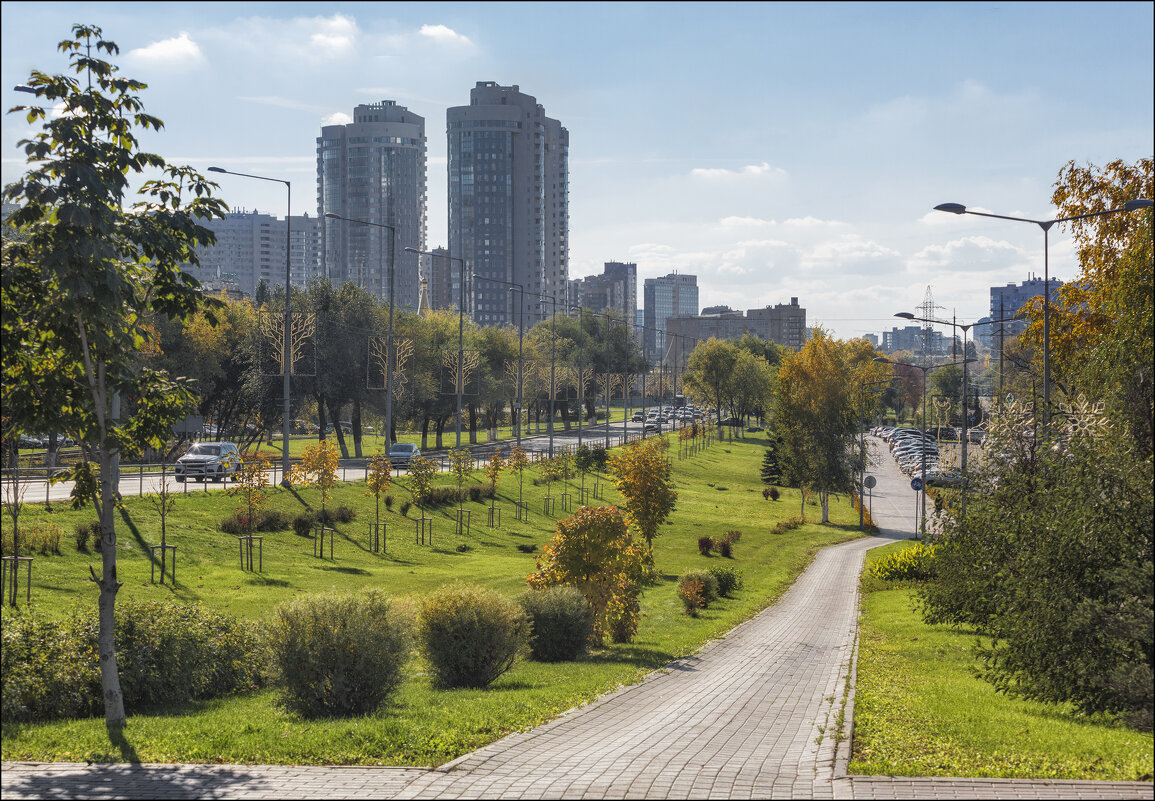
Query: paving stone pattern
(753,715)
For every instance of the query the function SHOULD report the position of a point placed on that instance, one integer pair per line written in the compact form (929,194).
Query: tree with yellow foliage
(643,476)
(317,468)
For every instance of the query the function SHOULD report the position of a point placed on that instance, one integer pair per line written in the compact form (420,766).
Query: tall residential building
(669,296)
(1006,302)
(616,288)
(508,202)
(250,248)
(373,169)
(444,275)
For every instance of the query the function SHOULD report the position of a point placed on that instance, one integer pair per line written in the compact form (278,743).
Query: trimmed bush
(85,532)
(475,494)
(561,621)
(470,635)
(342,514)
(389,502)
(724,549)
(705,545)
(774,494)
(693,595)
(303,524)
(167,654)
(729,579)
(338,653)
(709,590)
(910,564)
(787,525)
(405,505)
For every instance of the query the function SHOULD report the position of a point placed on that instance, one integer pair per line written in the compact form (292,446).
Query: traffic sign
(916,484)
(869,482)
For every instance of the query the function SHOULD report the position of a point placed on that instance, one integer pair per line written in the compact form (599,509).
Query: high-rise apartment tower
(373,169)
(508,202)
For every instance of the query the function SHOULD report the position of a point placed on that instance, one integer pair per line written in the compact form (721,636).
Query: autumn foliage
(593,552)
(643,476)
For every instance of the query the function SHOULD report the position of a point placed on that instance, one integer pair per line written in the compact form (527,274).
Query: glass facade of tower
(373,169)
(669,296)
(508,202)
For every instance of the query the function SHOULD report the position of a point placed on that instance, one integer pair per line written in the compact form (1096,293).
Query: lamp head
(905,315)
(217,169)
(24,88)
(882,359)
(953,208)
(333,216)
(1135,205)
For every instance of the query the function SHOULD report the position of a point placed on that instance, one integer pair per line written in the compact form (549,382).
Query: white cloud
(176,53)
(337,118)
(297,39)
(337,35)
(280,102)
(444,35)
(763,170)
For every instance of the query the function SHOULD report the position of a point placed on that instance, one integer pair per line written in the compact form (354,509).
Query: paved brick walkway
(753,715)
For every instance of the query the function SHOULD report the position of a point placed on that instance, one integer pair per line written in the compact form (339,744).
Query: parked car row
(915,451)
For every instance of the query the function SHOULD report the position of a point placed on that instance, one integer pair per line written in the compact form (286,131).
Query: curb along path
(752,715)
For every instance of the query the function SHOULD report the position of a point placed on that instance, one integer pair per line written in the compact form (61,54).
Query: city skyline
(772,150)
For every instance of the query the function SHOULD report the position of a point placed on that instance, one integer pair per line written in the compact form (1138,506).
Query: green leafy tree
(317,468)
(709,372)
(461,465)
(252,481)
(88,275)
(421,471)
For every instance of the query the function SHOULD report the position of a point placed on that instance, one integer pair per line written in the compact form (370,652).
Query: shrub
(85,532)
(40,538)
(705,545)
(303,524)
(787,525)
(338,653)
(470,635)
(909,564)
(728,579)
(475,494)
(273,520)
(766,493)
(593,551)
(724,549)
(561,622)
(167,654)
(774,494)
(342,514)
(709,584)
(733,537)
(389,502)
(405,508)
(692,593)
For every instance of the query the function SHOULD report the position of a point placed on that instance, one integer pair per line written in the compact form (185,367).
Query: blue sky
(774,150)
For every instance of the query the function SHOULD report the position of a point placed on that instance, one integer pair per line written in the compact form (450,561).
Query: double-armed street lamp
(459,377)
(965,328)
(389,338)
(552,365)
(925,369)
(1046,225)
(287,354)
(581,369)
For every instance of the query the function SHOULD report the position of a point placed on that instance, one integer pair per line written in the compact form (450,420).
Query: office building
(373,169)
(669,296)
(509,202)
(783,323)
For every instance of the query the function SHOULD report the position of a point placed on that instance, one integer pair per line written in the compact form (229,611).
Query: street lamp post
(925,369)
(286,360)
(862,442)
(581,370)
(459,377)
(1046,225)
(552,367)
(520,337)
(389,337)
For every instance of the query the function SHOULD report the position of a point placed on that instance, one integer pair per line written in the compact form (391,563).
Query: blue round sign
(916,484)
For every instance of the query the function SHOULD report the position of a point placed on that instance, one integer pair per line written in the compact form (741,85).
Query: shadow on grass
(630,654)
(266,582)
(352,571)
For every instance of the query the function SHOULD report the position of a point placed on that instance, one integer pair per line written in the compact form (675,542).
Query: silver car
(205,460)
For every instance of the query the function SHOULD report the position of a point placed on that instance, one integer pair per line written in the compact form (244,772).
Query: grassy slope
(419,725)
(921,711)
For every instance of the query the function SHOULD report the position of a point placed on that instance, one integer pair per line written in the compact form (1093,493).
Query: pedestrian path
(755,714)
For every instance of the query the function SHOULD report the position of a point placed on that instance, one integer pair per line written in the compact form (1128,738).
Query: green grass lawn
(719,491)
(920,710)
